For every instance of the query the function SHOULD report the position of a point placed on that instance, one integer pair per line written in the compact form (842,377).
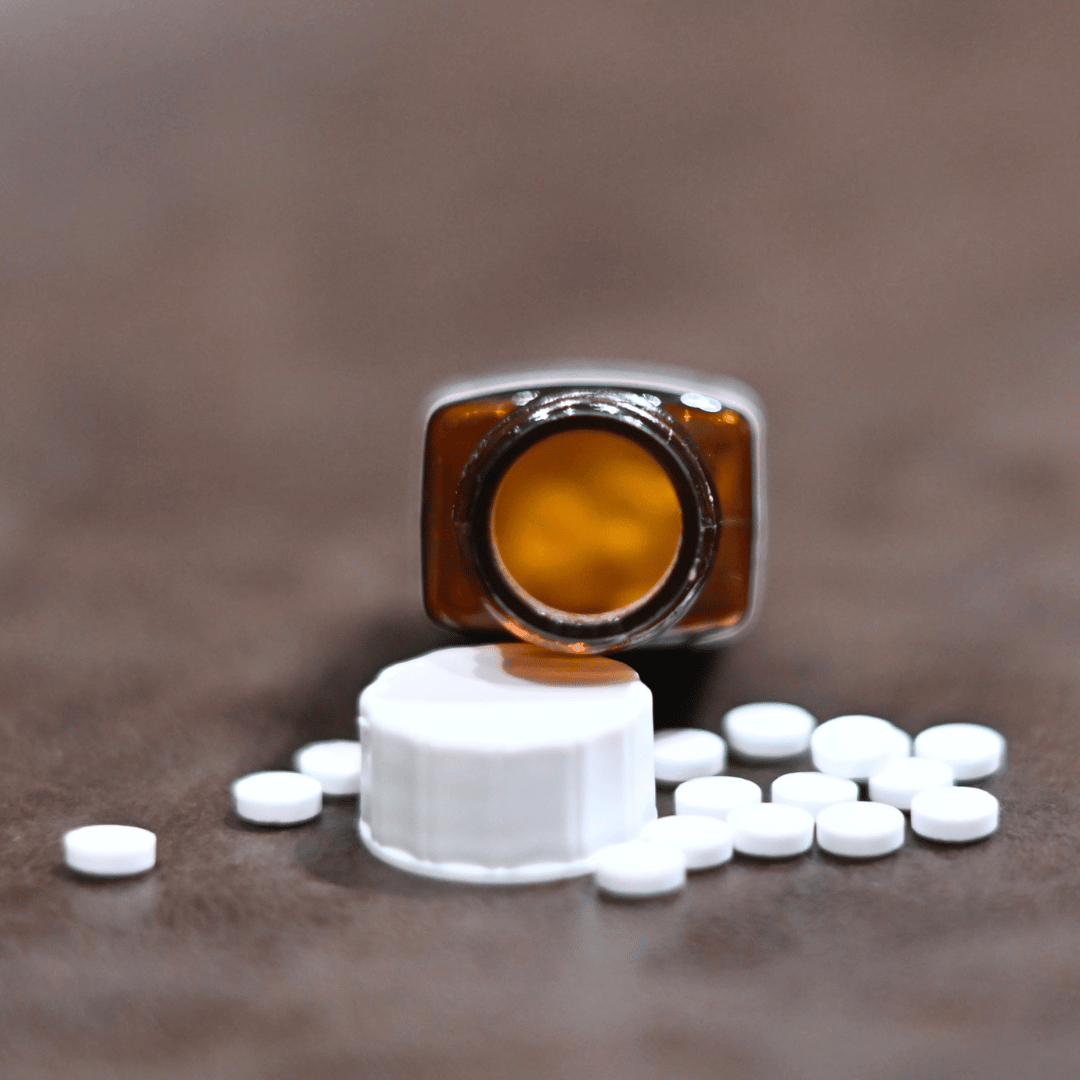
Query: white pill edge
(137,859)
(669,879)
(850,789)
(715,854)
(781,749)
(966,773)
(295,811)
(671,773)
(925,825)
(722,815)
(338,784)
(771,847)
(835,842)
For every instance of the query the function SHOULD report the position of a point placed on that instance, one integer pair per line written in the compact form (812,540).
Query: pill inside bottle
(586,522)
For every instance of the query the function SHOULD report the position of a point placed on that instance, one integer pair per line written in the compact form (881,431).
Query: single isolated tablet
(110,850)
(639,868)
(334,763)
(900,781)
(954,815)
(715,796)
(277,798)
(768,731)
(684,753)
(705,841)
(812,791)
(971,750)
(860,830)
(856,747)
(771,830)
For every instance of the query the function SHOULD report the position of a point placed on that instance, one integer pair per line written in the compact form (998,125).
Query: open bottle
(590,508)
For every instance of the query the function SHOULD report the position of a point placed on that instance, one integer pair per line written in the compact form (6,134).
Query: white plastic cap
(504,763)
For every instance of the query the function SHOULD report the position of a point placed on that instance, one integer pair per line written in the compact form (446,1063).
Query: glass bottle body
(591,509)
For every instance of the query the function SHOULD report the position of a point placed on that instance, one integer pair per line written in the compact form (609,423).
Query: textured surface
(240,242)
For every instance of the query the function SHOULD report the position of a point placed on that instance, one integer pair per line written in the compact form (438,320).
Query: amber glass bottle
(590,509)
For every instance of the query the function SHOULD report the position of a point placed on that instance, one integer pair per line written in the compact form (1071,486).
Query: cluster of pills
(716,815)
(289,798)
(266,798)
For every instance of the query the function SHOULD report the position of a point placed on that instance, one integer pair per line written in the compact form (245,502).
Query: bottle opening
(586,522)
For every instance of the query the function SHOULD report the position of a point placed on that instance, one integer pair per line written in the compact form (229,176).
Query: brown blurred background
(238,245)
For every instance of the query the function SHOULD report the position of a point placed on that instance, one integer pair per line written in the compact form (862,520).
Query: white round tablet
(812,791)
(771,830)
(856,747)
(715,796)
(954,815)
(705,841)
(768,731)
(901,780)
(860,830)
(277,798)
(683,753)
(334,763)
(639,868)
(973,751)
(110,850)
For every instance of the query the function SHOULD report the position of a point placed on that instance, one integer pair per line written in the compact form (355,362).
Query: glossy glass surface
(455,599)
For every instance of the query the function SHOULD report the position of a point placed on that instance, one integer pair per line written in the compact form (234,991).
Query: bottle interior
(586,522)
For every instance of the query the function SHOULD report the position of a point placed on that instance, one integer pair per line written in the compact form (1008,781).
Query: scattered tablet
(715,796)
(768,731)
(856,747)
(334,763)
(860,830)
(277,798)
(685,753)
(900,781)
(705,841)
(640,868)
(972,751)
(771,830)
(812,791)
(110,850)
(954,815)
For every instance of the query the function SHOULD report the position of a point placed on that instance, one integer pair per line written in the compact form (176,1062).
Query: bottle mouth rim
(638,418)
